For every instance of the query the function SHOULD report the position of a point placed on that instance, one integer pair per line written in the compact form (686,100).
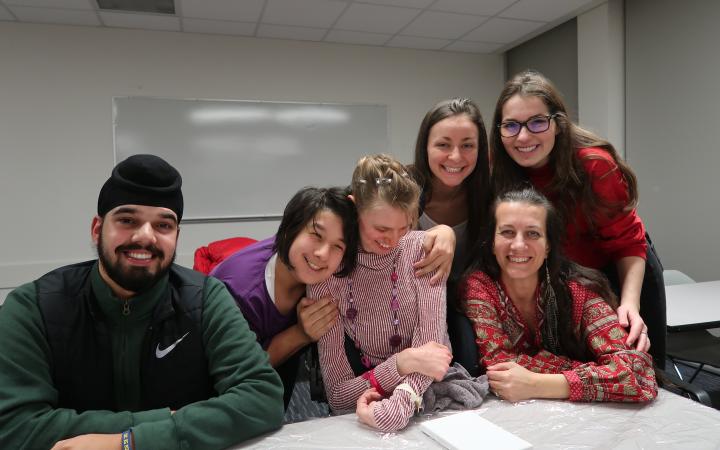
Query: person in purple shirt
(317,238)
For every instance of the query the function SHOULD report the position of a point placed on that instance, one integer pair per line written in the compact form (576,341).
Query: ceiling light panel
(143,6)
(144,21)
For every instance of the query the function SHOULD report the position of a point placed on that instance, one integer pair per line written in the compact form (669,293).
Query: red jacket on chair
(206,258)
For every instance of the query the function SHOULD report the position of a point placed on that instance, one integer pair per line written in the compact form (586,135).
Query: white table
(693,306)
(670,422)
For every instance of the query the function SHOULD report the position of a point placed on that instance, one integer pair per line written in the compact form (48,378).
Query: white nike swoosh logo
(161,353)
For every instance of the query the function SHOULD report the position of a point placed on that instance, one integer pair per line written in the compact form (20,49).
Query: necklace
(351,313)
(515,314)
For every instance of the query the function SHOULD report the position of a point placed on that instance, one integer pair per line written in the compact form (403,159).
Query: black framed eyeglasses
(537,124)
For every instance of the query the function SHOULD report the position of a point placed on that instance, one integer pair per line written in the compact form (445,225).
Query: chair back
(673,277)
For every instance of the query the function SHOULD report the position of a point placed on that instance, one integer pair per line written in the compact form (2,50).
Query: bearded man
(131,351)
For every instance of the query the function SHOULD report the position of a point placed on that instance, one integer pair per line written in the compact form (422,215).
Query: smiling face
(452,149)
(136,246)
(381,227)
(520,244)
(318,249)
(527,149)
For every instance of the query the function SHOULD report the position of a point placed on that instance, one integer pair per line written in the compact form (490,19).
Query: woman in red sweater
(543,323)
(595,192)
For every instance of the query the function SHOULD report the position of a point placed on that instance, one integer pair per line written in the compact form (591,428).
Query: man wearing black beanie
(131,351)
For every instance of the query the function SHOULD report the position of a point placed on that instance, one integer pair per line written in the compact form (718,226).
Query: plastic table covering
(669,422)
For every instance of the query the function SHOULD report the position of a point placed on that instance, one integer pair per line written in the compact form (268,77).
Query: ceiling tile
(421,4)
(218,27)
(375,19)
(502,30)
(473,47)
(418,42)
(304,13)
(288,32)
(357,37)
(442,25)
(51,15)
(57,4)
(481,8)
(5,14)
(144,21)
(544,10)
(233,10)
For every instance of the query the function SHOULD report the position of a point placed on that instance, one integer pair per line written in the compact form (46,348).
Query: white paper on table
(468,430)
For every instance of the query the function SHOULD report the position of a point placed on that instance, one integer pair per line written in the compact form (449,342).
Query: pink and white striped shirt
(422,319)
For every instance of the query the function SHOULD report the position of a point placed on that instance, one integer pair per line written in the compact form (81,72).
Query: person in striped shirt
(391,340)
(545,325)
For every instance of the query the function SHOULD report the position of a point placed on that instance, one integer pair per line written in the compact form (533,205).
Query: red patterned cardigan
(618,373)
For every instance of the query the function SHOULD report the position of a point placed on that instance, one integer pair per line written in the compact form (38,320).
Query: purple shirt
(244,275)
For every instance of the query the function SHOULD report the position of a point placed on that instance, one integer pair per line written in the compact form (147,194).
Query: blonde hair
(381,178)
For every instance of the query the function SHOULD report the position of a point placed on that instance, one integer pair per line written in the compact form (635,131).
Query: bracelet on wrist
(416,399)
(126,440)
(370,377)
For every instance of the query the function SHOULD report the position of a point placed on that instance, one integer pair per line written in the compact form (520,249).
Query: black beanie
(142,180)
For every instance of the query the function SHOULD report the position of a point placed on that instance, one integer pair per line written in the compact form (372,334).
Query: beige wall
(554,54)
(56,89)
(672,128)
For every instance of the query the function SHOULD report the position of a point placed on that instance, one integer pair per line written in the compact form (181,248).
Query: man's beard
(133,279)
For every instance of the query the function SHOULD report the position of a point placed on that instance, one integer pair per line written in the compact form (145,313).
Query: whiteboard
(243,160)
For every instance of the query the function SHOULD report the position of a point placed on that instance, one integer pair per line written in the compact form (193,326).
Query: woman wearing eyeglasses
(534,140)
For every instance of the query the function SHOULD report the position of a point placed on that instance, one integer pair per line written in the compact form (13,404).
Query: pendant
(351,313)
(365,361)
(395,340)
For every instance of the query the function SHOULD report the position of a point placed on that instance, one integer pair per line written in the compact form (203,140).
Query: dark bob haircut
(304,207)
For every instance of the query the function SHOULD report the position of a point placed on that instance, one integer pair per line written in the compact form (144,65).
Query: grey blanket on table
(457,390)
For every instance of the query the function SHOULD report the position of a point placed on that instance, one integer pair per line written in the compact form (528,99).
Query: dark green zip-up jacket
(250,393)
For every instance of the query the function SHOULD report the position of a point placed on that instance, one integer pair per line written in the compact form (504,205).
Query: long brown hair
(477,184)
(561,272)
(570,181)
